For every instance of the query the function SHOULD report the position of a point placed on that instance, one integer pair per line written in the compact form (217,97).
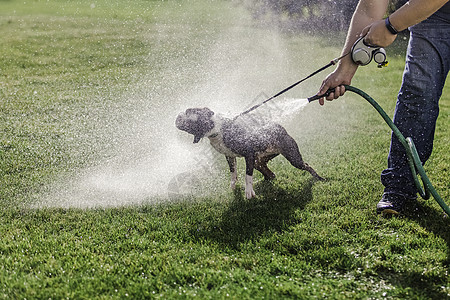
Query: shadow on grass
(271,211)
(433,221)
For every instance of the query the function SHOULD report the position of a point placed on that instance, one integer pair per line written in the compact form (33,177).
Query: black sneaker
(392,204)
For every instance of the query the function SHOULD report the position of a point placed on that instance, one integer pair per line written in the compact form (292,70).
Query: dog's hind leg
(233,171)
(292,154)
(261,166)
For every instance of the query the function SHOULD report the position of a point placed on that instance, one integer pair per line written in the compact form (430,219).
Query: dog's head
(196,121)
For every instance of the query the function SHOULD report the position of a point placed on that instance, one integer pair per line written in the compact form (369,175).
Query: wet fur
(258,142)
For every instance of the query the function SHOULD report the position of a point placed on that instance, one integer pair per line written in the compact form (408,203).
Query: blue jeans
(417,108)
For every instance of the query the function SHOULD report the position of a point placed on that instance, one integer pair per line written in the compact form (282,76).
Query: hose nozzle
(317,96)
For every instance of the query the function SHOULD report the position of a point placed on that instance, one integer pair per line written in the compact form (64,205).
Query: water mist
(156,162)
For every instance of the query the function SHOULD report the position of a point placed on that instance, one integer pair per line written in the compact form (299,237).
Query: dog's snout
(179,122)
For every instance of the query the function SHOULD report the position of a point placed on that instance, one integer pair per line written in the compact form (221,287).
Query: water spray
(331,63)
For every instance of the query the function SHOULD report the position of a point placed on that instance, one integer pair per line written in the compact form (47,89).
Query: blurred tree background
(309,15)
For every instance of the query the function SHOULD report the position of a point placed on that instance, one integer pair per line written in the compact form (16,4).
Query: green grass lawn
(88,85)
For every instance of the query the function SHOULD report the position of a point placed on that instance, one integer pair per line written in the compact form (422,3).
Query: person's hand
(378,35)
(342,75)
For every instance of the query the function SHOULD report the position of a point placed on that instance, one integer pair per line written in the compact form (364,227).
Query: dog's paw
(250,193)
(319,178)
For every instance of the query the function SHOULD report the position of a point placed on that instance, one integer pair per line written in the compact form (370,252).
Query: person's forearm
(368,21)
(367,12)
(413,12)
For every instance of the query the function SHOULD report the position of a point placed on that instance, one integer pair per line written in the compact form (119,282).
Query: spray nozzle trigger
(317,96)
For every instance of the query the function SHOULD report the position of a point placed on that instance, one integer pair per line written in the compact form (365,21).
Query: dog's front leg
(233,171)
(250,164)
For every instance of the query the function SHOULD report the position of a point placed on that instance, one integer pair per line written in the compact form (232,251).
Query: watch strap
(389,26)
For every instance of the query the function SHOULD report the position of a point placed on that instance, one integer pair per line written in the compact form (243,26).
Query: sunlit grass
(75,80)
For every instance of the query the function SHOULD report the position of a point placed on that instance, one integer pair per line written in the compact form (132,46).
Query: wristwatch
(389,26)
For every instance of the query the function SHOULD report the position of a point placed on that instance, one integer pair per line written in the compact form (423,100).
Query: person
(426,69)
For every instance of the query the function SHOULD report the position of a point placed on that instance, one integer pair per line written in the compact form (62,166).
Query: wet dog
(244,137)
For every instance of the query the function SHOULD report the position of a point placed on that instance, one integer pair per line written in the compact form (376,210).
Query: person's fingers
(365,31)
(368,40)
(338,92)
(323,89)
(335,82)
(330,96)
(378,35)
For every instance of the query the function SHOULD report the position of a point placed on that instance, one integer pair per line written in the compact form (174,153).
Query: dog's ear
(190,111)
(204,112)
(207,112)
(206,124)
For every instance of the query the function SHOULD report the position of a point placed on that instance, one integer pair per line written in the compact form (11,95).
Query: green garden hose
(411,151)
